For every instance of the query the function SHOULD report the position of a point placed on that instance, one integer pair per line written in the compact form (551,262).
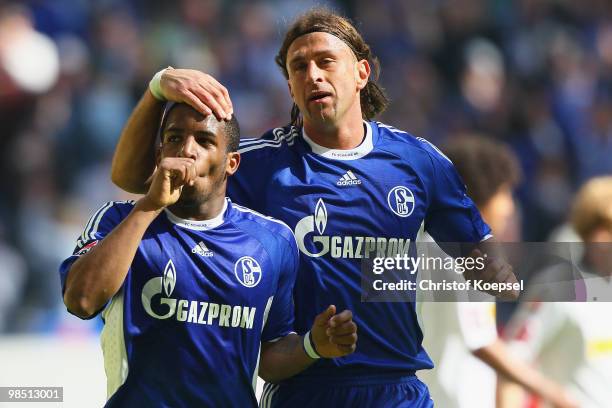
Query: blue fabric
(194,305)
(347,211)
(405,392)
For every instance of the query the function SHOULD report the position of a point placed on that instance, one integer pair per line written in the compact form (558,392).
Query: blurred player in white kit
(571,342)
(461,337)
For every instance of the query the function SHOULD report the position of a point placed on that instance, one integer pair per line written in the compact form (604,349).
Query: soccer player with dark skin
(194,162)
(330,75)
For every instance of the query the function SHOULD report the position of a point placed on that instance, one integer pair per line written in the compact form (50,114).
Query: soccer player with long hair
(350,188)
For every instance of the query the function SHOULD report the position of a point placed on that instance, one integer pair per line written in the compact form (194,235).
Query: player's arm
(478,330)
(455,223)
(332,335)
(97,275)
(284,353)
(497,356)
(496,269)
(511,394)
(134,158)
(532,329)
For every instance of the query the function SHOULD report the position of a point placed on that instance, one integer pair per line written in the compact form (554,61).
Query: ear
(362,73)
(233,161)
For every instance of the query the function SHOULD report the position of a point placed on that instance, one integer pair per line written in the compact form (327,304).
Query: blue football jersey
(186,326)
(345,206)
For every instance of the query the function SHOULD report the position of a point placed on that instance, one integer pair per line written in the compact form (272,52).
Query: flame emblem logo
(160,285)
(313,224)
(320,218)
(169,280)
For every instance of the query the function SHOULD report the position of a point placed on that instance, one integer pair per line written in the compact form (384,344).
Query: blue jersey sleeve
(452,215)
(280,318)
(99,226)
(248,186)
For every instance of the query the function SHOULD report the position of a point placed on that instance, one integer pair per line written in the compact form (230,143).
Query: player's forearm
(283,359)
(97,275)
(134,159)
(509,394)
(497,356)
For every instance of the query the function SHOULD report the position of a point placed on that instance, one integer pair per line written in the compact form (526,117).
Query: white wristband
(309,347)
(155,85)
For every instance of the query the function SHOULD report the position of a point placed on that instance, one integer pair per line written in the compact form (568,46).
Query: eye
(299,66)
(205,141)
(172,138)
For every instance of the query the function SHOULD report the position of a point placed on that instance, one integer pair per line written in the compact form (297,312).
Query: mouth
(319,96)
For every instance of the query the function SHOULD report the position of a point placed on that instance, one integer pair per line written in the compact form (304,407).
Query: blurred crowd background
(535,74)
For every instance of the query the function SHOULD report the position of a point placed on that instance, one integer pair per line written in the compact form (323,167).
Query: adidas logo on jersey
(202,250)
(348,179)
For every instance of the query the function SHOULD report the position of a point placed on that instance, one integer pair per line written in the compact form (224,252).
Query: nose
(189,148)
(313,72)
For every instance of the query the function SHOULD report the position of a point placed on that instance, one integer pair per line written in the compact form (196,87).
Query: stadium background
(536,74)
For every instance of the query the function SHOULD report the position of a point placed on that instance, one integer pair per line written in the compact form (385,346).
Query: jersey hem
(352,381)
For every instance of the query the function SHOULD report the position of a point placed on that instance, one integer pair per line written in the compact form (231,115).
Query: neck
(200,211)
(347,134)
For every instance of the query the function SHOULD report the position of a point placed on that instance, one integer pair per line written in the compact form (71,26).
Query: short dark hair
(231,127)
(483,164)
(373,98)
(232,133)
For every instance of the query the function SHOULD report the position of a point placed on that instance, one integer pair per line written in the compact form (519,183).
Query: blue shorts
(407,392)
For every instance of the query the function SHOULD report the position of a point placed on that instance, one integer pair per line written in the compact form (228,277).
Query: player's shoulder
(105,217)
(272,142)
(261,224)
(114,208)
(404,142)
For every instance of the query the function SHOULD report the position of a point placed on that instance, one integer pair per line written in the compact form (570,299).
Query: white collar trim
(340,154)
(199,225)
